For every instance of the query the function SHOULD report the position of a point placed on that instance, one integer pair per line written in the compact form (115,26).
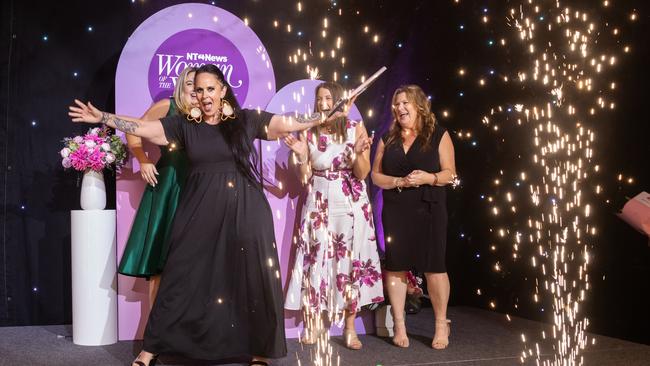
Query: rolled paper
(636,212)
(360,89)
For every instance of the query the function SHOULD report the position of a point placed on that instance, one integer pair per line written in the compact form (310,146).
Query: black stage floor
(478,337)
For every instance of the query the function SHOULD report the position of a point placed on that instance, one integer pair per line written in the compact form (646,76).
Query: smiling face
(405,111)
(189,96)
(209,92)
(324,100)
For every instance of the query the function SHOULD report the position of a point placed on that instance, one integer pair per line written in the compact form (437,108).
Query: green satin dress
(146,250)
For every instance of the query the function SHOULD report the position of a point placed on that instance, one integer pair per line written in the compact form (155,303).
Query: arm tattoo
(314,117)
(105,118)
(120,124)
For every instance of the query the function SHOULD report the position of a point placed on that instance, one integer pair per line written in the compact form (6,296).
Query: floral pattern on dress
(353,187)
(340,248)
(322,143)
(337,263)
(367,214)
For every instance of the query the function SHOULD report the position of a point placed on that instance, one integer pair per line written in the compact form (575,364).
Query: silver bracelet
(314,117)
(298,162)
(397,185)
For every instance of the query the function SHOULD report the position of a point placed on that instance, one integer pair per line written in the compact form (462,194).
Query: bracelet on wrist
(298,162)
(435,179)
(312,118)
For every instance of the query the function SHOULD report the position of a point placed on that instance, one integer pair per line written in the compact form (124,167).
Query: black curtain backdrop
(45,43)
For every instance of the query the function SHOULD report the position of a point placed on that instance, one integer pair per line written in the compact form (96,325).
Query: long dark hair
(234,132)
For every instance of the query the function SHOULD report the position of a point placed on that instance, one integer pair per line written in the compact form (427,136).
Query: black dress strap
(438,132)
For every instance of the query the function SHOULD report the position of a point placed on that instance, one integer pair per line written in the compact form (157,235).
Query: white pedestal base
(94,280)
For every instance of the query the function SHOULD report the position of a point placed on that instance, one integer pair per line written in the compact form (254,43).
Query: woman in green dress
(146,250)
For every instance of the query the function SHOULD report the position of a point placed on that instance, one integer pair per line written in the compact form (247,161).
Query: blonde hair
(425,123)
(182,106)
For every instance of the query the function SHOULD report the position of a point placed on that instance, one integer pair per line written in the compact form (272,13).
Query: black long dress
(415,219)
(220,295)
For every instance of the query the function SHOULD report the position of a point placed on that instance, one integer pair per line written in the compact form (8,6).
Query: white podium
(94,278)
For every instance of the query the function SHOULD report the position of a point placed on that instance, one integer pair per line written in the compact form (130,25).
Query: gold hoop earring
(226,111)
(195,115)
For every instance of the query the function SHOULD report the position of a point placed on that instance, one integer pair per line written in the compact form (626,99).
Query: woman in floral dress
(336,268)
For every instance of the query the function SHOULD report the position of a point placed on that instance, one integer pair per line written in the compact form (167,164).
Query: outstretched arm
(150,130)
(280,125)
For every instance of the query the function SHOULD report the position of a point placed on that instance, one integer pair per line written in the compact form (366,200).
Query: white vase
(93,191)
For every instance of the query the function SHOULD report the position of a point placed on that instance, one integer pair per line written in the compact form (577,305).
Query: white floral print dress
(336,264)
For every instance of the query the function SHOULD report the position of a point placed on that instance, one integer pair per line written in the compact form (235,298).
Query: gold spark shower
(321,42)
(566,82)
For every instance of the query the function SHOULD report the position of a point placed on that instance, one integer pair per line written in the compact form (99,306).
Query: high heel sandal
(258,363)
(152,362)
(402,343)
(351,339)
(311,336)
(441,342)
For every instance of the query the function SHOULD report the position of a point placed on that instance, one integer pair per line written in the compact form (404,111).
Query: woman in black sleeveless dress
(221,295)
(414,161)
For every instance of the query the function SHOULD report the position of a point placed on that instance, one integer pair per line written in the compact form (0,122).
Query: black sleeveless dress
(220,294)
(415,219)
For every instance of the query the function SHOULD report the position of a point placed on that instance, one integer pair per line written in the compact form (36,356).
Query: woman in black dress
(221,294)
(414,161)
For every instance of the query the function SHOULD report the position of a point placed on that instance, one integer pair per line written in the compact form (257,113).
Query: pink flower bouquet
(95,150)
